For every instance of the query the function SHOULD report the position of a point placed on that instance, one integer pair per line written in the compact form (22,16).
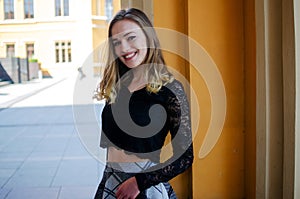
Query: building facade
(59,34)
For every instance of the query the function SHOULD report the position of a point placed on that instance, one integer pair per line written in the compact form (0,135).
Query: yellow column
(227,33)
(171,14)
(218,27)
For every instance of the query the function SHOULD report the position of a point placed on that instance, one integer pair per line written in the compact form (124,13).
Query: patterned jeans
(114,174)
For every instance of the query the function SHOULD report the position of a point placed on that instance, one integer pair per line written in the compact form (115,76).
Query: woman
(143,104)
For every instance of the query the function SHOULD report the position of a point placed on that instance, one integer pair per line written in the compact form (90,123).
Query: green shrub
(33,60)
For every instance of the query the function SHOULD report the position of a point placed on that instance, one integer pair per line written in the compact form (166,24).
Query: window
(57,52)
(30,50)
(28,9)
(10,50)
(103,8)
(69,52)
(57,8)
(63,52)
(9,9)
(61,7)
(66,7)
(108,9)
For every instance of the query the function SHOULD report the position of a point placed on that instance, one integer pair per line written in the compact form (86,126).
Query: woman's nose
(125,46)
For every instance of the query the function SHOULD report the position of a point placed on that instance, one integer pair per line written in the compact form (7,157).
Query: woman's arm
(180,129)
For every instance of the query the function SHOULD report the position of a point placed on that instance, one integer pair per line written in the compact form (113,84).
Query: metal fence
(19,69)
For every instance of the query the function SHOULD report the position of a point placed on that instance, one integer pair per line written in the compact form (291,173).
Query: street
(41,152)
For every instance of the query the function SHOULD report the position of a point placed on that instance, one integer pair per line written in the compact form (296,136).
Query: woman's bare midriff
(117,155)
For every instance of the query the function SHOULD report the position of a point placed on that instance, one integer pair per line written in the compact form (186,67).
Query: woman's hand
(128,189)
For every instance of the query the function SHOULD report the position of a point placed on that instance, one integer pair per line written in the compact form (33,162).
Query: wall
(169,14)
(297,68)
(226,30)
(290,54)
(220,30)
(44,29)
(250,98)
(289,97)
(100,33)
(277,99)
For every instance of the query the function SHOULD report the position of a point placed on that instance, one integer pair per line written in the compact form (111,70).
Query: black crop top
(142,128)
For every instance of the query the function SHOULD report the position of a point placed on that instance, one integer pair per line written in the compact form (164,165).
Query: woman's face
(130,43)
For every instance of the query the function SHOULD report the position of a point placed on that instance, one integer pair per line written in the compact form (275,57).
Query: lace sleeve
(180,129)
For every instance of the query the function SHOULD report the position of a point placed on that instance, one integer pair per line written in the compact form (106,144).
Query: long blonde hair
(156,72)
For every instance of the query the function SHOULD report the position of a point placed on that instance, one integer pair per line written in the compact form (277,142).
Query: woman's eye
(116,43)
(130,38)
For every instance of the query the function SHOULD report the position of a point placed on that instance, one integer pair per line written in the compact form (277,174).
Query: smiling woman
(143,104)
(129,42)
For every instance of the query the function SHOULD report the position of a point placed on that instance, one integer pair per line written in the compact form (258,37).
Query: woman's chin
(131,64)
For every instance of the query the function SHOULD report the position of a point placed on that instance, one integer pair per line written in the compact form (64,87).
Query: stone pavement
(14,93)
(41,153)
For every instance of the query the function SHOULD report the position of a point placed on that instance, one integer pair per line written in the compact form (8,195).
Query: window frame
(109,9)
(28,4)
(63,52)
(62,8)
(30,50)
(10,53)
(9,9)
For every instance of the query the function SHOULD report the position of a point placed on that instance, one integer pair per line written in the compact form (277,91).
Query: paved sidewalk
(41,154)
(14,93)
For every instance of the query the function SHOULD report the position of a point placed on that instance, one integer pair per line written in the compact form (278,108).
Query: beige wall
(297,122)
(289,105)
(269,99)
(250,98)
(45,29)
(277,99)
